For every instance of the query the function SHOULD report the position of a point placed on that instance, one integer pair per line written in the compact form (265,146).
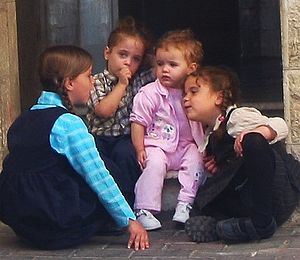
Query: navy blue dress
(41,197)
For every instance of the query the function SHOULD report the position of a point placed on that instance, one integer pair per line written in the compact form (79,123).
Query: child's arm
(109,104)
(137,136)
(266,131)
(246,119)
(70,138)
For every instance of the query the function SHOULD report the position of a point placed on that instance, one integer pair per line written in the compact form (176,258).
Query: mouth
(165,78)
(187,108)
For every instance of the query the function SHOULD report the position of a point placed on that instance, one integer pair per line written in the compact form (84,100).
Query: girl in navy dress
(55,191)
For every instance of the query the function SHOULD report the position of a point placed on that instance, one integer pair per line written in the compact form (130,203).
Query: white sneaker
(182,212)
(148,221)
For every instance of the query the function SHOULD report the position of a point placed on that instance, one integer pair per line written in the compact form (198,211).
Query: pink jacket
(153,109)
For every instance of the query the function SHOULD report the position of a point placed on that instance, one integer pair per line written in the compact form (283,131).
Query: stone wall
(290,35)
(9,77)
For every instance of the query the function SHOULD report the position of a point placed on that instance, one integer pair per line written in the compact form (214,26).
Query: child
(111,101)
(161,133)
(255,183)
(55,191)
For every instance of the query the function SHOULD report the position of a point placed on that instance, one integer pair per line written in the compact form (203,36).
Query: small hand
(141,157)
(210,163)
(138,236)
(238,148)
(124,76)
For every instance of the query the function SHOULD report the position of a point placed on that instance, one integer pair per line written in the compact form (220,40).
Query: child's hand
(138,236)
(210,164)
(124,76)
(238,148)
(141,157)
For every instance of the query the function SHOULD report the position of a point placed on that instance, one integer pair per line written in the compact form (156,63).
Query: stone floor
(170,242)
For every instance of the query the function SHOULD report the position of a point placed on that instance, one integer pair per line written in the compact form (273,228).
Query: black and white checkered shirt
(119,123)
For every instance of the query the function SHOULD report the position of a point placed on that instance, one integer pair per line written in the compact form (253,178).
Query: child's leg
(123,156)
(190,174)
(148,189)
(260,165)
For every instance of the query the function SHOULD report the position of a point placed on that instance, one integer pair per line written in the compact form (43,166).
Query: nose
(185,97)
(127,61)
(165,68)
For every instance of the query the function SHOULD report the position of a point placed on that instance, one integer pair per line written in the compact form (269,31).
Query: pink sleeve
(143,108)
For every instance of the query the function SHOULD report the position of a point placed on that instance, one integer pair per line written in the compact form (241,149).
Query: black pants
(119,157)
(249,192)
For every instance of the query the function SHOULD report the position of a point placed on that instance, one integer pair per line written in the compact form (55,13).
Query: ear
(68,84)
(106,52)
(192,67)
(220,98)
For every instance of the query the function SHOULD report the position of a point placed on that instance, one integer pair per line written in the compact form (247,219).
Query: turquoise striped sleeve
(70,137)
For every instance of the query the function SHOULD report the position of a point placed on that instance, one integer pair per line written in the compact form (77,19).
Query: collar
(48,98)
(208,131)
(161,89)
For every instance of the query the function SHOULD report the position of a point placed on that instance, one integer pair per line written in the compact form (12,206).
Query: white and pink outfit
(170,143)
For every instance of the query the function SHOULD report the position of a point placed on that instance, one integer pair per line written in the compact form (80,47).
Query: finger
(137,243)
(131,240)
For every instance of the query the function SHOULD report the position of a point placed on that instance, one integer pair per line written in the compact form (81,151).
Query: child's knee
(254,142)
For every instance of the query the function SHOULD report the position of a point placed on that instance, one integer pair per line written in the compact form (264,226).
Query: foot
(146,218)
(231,230)
(201,229)
(182,212)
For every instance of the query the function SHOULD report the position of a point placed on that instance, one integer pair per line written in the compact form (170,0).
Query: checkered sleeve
(142,79)
(99,90)
(71,138)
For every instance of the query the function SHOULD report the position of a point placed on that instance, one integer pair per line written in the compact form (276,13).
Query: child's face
(200,101)
(79,88)
(172,67)
(128,52)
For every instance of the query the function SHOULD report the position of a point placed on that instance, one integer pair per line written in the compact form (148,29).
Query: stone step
(170,193)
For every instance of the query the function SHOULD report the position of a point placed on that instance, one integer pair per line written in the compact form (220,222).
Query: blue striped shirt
(70,137)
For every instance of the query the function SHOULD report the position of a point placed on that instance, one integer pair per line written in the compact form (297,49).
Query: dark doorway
(244,35)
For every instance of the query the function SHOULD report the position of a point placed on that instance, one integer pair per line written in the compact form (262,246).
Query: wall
(9,80)
(290,34)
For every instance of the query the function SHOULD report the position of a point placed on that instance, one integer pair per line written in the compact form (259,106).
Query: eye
(194,90)
(173,64)
(137,59)
(159,63)
(123,54)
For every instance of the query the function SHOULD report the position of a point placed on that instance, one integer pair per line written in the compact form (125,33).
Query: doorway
(244,35)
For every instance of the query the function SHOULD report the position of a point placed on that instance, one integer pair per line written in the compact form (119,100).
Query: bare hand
(210,164)
(141,157)
(238,148)
(124,76)
(138,236)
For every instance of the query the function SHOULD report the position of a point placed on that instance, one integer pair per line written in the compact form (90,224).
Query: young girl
(111,101)
(161,133)
(55,191)
(253,185)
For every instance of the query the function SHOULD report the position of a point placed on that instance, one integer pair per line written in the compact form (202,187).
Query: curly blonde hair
(186,42)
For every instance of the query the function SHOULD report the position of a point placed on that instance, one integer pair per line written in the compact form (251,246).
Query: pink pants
(187,160)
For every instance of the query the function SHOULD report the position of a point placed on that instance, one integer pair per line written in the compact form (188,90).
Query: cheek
(134,67)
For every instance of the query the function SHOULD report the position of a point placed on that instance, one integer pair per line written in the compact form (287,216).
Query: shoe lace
(140,213)
(184,207)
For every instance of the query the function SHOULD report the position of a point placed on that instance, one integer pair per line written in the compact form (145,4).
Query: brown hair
(61,61)
(221,79)
(185,41)
(127,26)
